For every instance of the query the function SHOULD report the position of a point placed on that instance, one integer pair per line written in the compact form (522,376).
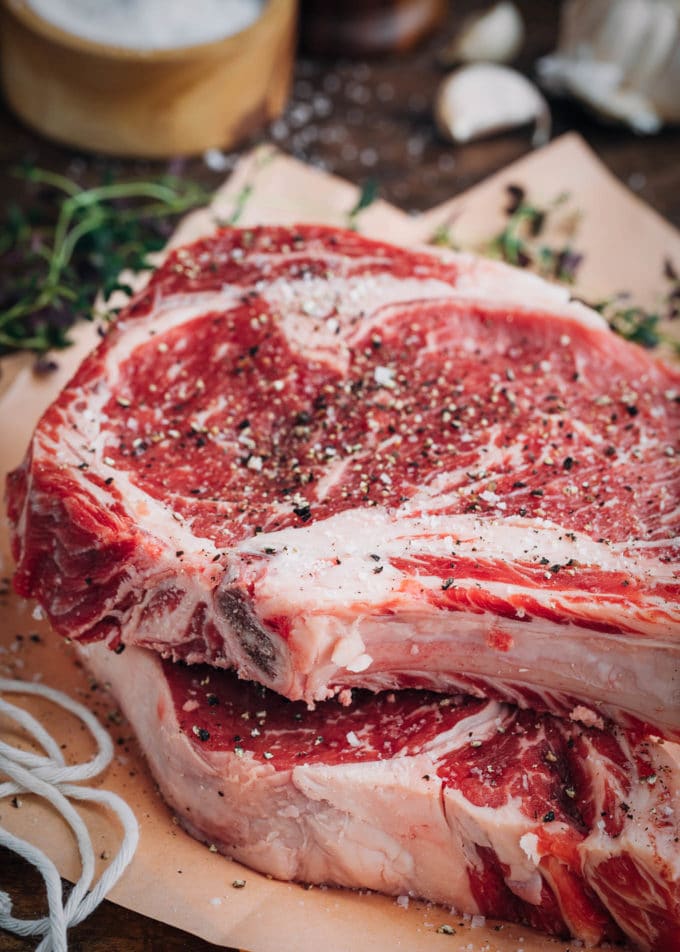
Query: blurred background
(362,104)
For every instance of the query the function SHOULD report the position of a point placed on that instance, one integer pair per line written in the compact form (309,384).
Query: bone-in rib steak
(471,803)
(329,462)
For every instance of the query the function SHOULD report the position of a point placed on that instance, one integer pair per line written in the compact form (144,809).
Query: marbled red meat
(469,803)
(329,462)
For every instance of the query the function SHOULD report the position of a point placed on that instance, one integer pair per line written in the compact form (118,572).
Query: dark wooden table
(359,119)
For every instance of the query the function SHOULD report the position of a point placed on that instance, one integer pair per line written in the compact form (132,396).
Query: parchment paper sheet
(173,878)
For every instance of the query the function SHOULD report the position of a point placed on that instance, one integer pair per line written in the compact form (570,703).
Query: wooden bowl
(154,103)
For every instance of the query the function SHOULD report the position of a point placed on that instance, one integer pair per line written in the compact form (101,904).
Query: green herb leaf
(240,205)
(631,321)
(518,242)
(442,236)
(61,254)
(522,243)
(368,194)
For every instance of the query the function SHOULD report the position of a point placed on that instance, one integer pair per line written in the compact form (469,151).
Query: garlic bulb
(494,35)
(484,98)
(621,58)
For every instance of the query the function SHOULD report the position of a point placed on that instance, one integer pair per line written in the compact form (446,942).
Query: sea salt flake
(216,160)
(384,376)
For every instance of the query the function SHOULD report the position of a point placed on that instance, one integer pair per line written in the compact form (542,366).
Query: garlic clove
(484,98)
(664,88)
(494,35)
(598,86)
(621,58)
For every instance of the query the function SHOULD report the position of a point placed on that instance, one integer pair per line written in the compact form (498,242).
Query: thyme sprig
(631,321)
(522,242)
(240,203)
(635,323)
(368,194)
(63,253)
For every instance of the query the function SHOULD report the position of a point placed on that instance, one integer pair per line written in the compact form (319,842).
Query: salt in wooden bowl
(152,103)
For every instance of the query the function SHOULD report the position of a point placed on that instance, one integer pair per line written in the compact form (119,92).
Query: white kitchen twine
(51,778)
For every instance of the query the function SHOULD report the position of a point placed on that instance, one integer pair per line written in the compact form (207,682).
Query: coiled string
(48,776)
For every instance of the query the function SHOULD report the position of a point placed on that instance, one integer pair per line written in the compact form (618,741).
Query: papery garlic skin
(484,98)
(621,58)
(494,35)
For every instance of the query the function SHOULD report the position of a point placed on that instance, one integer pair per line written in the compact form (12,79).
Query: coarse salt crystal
(384,376)
(353,740)
(489,496)
(216,160)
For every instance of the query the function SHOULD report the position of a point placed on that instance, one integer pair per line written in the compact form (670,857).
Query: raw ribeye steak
(329,462)
(469,803)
